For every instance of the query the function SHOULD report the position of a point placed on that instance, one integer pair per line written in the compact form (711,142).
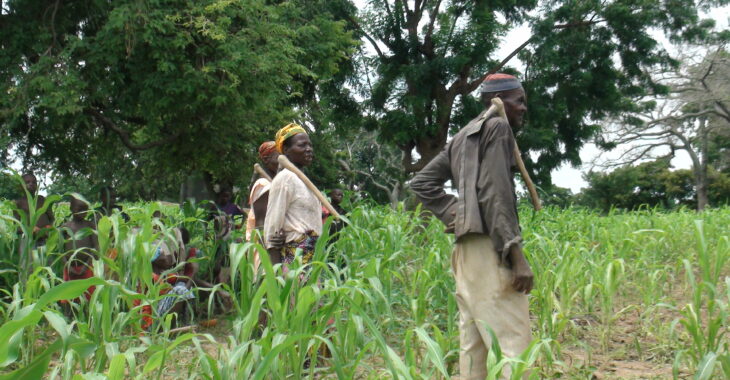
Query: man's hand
(522,276)
(451,227)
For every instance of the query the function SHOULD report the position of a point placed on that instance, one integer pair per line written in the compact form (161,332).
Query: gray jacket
(479,160)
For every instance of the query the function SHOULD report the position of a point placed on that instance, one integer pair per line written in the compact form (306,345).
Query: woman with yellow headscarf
(293,216)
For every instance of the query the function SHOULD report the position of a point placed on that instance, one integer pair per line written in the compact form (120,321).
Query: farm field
(629,295)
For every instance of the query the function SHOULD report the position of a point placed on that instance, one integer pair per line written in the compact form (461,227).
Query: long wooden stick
(261,172)
(285,163)
(499,107)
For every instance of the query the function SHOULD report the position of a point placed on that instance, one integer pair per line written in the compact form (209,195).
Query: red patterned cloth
(78,273)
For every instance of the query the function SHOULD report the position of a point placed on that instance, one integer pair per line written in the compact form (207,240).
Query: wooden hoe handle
(261,172)
(284,162)
(498,106)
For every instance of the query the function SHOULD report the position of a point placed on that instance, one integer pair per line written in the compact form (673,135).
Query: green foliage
(144,92)
(630,187)
(649,184)
(9,186)
(584,62)
(553,196)
(600,280)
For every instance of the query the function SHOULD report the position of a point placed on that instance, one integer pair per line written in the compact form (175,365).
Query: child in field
(172,253)
(190,269)
(224,202)
(81,245)
(108,198)
(45,220)
(163,260)
(337,225)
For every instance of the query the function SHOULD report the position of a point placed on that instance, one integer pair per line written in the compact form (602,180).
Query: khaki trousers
(485,296)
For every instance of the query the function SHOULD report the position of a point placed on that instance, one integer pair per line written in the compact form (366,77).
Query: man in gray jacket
(492,275)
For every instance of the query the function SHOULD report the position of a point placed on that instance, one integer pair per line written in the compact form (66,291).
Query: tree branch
(427,47)
(681,117)
(367,36)
(577,24)
(124,134)
(346,167)
(476,82)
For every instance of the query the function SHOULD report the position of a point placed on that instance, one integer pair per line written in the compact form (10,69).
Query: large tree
(651,184)
(694,116)
(630,187)
(156,89)
(584,60)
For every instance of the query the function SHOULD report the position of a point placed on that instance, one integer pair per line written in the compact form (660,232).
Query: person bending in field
(337,225)
(22,205)
(108,198)
(81,245)
(258,200)
(174,288)
(190,270)
(294,214)
(492,275)
(336,196)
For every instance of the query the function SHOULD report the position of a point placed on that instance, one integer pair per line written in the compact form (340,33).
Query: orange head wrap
(267,149)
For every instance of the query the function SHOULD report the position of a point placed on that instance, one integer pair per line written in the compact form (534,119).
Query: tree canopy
(584,62)
(651,184)
(693,115)
(149,91)
(139,94)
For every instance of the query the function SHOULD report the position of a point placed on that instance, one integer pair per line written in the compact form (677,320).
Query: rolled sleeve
(428,185)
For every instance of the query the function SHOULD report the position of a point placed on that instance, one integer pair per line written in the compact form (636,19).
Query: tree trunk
(702,199)
(431,145)
(394,195)
(701,177)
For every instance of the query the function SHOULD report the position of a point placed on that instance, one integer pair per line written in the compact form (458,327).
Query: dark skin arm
(523,277)
(194,270)
(259,212)
(19,205)
(162,264)
(259,209)
(49,211)
(277,243)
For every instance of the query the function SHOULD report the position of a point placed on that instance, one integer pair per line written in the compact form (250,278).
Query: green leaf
(116,368)
(58,323)
(155,360)
(38,367)
(433,350)
(706,367)
(67,290)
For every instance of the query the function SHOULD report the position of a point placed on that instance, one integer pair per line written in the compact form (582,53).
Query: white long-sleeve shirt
(292,208)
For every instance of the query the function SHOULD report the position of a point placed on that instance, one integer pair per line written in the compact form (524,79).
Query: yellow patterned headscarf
(288,131)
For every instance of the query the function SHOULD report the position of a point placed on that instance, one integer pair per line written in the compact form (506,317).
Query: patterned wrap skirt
(306,243)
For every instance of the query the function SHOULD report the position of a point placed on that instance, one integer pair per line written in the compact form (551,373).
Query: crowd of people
(492,275)
(280,213)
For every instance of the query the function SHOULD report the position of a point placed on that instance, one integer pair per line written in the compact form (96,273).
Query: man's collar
(475,125)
